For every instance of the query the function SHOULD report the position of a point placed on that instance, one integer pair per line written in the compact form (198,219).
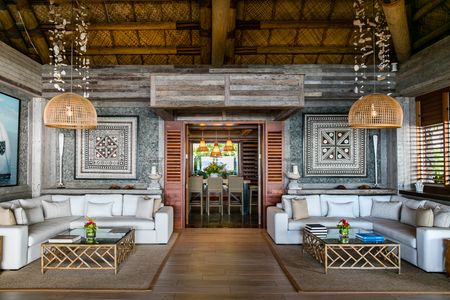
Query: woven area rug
(139,272)
(307,275)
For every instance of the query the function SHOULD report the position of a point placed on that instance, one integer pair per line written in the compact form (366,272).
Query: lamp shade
(228,146)
(215,152)
(375,111)
(202,148)
(70,111)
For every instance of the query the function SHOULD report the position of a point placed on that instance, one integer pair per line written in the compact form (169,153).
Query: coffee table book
(64,239)
(369,237)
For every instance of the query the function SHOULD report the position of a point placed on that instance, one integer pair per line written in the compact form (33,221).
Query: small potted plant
(214,169)
(90,229)
(344,228)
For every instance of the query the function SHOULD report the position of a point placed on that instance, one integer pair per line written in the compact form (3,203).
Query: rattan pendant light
(228,144)
(215,152)
(376,111)
(70,110)
(202,148)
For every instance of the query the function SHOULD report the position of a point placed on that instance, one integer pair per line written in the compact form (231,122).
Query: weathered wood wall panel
(19,70)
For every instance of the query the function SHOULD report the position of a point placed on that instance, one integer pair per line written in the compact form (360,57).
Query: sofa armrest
(431,248)
(164,224)
(277,224)
(15,246)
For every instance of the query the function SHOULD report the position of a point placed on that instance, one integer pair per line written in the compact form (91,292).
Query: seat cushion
(396,231)
(329,222)
(117,221)
(41,232)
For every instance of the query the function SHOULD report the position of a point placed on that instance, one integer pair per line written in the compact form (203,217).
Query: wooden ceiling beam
(10,29)
(220,9)
(294,50)
(205,31)
(47,2)
(311,24)
(231,26)
(428,7)
(136,26)
(32,25)
(395,13)
(143,51)
(431,36)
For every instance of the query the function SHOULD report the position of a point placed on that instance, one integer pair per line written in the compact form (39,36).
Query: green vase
(343,232)
(90,235)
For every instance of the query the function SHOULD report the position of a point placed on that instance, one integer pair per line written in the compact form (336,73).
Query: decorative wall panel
(109,151)
(332,148)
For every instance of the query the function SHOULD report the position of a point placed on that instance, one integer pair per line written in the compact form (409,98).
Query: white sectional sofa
(21,243)
(421,246)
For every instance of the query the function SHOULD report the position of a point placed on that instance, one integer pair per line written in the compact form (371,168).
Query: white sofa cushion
(41,232)
(313,201)
(343,210)
(77,203)
(10,204)
(299,209)
(408,215)
(329,222)
(365,203)
(130,204)
(33,202)
(441,218)
(396,231)
(324,199)
(94,210)
(56,209)
(411,203)
(118,221)
(386,210)
(116,199)
(145,208)
(7,217)
(29,216)
(287,206)
(424,217)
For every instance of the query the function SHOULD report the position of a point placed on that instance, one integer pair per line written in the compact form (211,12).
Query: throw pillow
(386,210)
(408,215)
(424,217)
(7,217)
(340,209)
(156,206)
(299,209)
(99,209)
(441,218)
(29,216)
(287,207)
(144,209)
(56,209)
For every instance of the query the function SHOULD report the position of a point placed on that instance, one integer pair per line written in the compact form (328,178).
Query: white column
(37,128)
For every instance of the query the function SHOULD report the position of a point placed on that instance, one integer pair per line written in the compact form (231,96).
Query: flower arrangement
(90,224)
(214,168)
(343,226)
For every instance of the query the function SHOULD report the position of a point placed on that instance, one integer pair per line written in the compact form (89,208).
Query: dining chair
(195,187)
(215,187)
(236,192)
(252,189)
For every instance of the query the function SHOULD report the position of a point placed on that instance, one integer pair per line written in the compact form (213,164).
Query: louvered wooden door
(273,164)
(174,169)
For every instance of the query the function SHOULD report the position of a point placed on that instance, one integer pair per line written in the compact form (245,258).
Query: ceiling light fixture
(202,148)
(375,110)
(69,110)
(215,152)
(228,144)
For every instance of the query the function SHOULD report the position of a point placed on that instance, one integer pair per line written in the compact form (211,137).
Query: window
(229,160)
(433,145)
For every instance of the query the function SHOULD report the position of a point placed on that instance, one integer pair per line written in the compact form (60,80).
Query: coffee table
(112,246)
(355,254)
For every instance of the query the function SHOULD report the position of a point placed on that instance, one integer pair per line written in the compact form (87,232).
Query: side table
(447,257)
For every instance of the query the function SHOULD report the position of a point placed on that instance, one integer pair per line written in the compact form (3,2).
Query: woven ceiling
(146,32)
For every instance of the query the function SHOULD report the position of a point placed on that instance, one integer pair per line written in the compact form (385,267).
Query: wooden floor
(216,264)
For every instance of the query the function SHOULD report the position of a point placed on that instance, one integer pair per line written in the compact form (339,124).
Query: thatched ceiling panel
(343,10)
(253,38)
(195,37)
(129,59)
(176,11)
(310,37)
(287,10)
(279,59)
(147,12)
(120,12)
(197,60)
(435,19)
(100,39)
(103,60)
(155,59)
(328,59)
(14,13)
(180,60)
(41,13)
(250,59)
(348,59)
(337,37)
(257,10)
(305,59)
(96,13)
(151,37)
(126,38)
(178,38)
(282,37)
(317,10)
